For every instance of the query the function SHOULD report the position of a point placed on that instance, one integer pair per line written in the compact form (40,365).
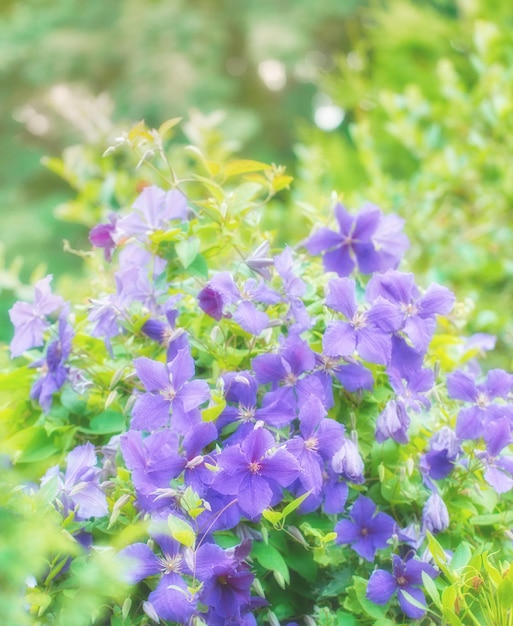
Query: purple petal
(373,345)
(153,374)
(341,296)
(381,587)
(347,531)
(436,300)
(363,510)
(89,499)
(171,599)
(150,412)
(281,467)
(254,496)
(409,609)
(498,383)
(339,260)
(460,386)
(322,239)
(250,318)
(193,394)
(139,562)
(339,339)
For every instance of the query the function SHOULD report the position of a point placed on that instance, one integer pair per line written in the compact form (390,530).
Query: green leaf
(292,506)
(461,556)
(211,413)
(269,558)
(199,267)
(106,423)
(181,531)
(187,251)
(244,166)
(272,516)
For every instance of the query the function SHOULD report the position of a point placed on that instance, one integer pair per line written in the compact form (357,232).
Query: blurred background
(408,104)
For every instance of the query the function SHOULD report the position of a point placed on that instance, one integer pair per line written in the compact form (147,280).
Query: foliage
(427,96)
(244,432)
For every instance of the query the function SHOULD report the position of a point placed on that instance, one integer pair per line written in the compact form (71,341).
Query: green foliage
(428,133)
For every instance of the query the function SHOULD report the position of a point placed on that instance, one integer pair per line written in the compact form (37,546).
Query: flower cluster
(222,435)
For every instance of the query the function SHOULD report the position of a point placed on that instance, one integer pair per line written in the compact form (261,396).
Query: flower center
(168,393)
(359,321)
(246,413)
(255,467)
(401,581)
(409,309)
(482,400)
(169,563)
(312,443)
(364,532)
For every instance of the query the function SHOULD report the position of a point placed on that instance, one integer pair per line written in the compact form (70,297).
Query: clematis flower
(348,462)
(472,421)
(103,236)
(406,578)
(367,330)
(444,449)
(170,600)
(366,531)
(170,394)
(255,470)
(153,209)
(52,367)
(80,489)
(369,241)
(435,516)
(30,320)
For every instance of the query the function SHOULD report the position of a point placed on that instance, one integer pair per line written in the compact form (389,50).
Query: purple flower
(406,578)
(416,311)
(80,488)
(52,366)
(294,289)
(103,236)
(367,331)
(222,298)
(348,462)
(320,439)
(30,320)
(169,389)
(153,210)
(366,531)
(444,449)
(393,422)
(288,371)
(171,599)
(254,471)
(472,421)
(369,241)
(435,516)
(226,577)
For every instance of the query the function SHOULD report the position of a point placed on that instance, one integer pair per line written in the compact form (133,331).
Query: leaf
(461,556)
(106,423)
(30,445)
(199,267)
(269,558)
(166,126)
(243,166)
(292,506)
(187,251)
(211,413)
(272,516)
(181,531)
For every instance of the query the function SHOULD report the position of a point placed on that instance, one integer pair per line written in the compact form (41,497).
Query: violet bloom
(498,467)
(255,471)
(103,236)
(226,578)
(435,516)
(240,390)
(170,394)
(444,449)
(52,367)
(367,331)
(473,421)
(80,487)
(409,390)
(171,599)
(153,209)
(320,439)
(154,460)
(348,462)
(294,288)
(406,578)
(417,312)
(289,372)
(30,320)
(221,297)
(166,333)
(366,531)
(369,241)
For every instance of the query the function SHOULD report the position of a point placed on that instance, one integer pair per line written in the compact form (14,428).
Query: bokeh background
(408,104)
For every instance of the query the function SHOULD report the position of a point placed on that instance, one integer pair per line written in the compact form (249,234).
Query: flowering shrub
(252,434)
